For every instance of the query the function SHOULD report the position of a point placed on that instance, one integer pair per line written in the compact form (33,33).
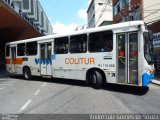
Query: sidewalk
(156,81)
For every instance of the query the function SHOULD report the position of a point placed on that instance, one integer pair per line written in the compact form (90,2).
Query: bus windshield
(148,47)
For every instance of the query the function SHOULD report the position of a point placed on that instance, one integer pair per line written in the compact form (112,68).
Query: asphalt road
(57,96)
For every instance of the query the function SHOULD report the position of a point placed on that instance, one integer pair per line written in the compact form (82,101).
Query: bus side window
(31,48)
(21,49)
(101,41)
(78,43)
(61,45)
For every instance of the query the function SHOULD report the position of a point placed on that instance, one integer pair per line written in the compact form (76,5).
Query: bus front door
(13,59)
(127,48)
(45,59)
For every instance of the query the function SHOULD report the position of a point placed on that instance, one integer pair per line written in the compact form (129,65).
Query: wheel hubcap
(26,74)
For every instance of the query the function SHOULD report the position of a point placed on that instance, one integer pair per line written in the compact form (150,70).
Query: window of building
(114,11)
(123,3)
(61,45)
(116,8)
(101,41)
(21,49)
(78,43)
(25,4)
(31,48)
(136,14)
(126,18)
(7,51)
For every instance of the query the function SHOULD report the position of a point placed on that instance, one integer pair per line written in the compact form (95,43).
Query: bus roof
(90,30)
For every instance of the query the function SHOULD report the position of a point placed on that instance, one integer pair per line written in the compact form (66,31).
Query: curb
(157,82)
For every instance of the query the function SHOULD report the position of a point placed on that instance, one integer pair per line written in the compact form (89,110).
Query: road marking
(37,92)
(44,84)
(25,105)
(2,88)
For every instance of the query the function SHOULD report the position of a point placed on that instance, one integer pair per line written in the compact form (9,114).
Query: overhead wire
(101,13)
(152,13)
(151,9)
(154,18)
(154,21)
(152,5)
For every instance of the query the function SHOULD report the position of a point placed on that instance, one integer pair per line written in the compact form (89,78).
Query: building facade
(125,10)
(32,12)
(99,13)
(21,19)
(147,10)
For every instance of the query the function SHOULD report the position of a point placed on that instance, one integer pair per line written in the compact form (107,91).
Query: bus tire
(27,73)
(97,80)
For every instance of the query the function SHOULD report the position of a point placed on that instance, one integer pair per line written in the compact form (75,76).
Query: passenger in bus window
(121,51)
(103,49)
(107,47)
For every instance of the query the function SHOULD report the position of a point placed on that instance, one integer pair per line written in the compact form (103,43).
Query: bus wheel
(97,80)
(27,73)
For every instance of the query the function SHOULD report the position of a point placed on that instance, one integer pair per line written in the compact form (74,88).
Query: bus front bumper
(146,79)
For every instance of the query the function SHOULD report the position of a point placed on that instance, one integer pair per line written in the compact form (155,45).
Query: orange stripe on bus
(8,61)
(16,61)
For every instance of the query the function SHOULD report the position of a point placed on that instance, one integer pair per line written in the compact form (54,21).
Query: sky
(66,15)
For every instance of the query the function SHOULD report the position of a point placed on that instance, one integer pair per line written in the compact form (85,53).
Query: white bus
(119,53)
